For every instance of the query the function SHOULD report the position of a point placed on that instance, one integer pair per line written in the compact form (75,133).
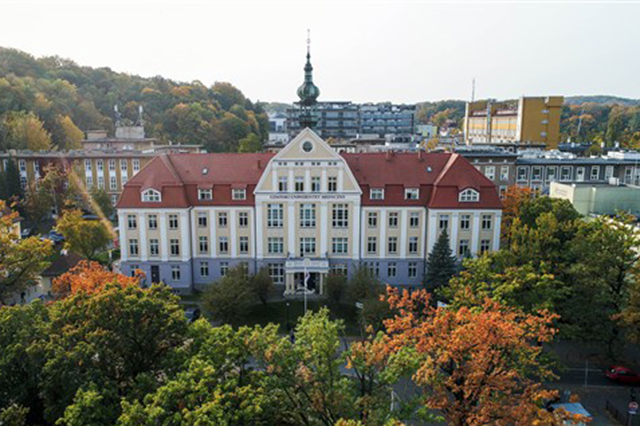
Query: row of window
(113,182)
(486,222)
(299,184)
(88,165)
(392,245)
(392,269)
(236,194)
(174,246)
(490,172)
(409,193)
(392,219)
(566,173)
(223,220)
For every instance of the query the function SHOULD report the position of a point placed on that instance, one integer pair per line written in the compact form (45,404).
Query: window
(490,172)
(608,172)
(413,269)
(132,221)
(444,221)
(112,165)
(392,270)
(565,173)
(203,245)
(393,220)
(374,268)
(101,182)
(239,194)
(175,272)
(134,268)
(504,173)
(243,219)
(276,272)
(202,219)
(173,221)
(340,215)
(87,165)
(205,194)
(339,269)
(552,174)
(100,165)
(133,247)
(463,248)
(154,247)
(340,245)
(502,191)
(136,166)
(222,219)
(23,182)
(484,246)
(275,245)
(123,165)
(307,215)
(376,193)
(123,179)
(315,184)
(414,219)
(536,173)
(332,184)
(282,184)
(224,268)
(523,174)
(204,269)
(411,193)
(486,221)
(89,182)
(299,184)
(372,245)
(23,166)
(307,246)
(580,174)
(223,244)
(113,184)
(392,246)
(595,172)
(465,222)
(413,245)
(469,196)
(275,213)
(244,245)
(114,199)
(150,195)
(372,219)
(174,247)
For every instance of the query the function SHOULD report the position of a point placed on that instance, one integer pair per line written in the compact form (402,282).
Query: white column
(475,233)
(164,249)
(291,228)
(324,228)
(256,230)
(212,232)
(233,226)
(454,233)
(274,178)
(431,233)
(358,213)
(307,180)
(340,179)
(194,237)
(404,225)
(122,231)
(185,233)
(496,231)
(382,225)
(142,225)
(290,182)
(360,241)
(423,232)
(323,181)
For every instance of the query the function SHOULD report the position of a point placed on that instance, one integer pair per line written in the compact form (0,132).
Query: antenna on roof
(308,41)
(118,115)
(140,120)
(473,89)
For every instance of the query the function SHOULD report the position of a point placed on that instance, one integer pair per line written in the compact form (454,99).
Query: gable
(307,146)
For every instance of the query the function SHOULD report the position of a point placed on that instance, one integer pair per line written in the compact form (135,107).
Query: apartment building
(525,121)
(186,219)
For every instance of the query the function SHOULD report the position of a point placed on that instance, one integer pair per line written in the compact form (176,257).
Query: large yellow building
(525,121)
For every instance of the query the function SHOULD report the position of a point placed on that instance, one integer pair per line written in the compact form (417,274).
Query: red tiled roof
(438,176)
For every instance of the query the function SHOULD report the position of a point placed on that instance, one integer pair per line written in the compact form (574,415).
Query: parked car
(26,232)
(192,314)
(624,375)
(54,236)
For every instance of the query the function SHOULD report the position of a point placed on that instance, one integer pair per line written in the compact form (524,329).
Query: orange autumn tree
(91,277)
(514,199)
(476,366)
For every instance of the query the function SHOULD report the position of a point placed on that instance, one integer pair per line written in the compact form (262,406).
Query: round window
(307,146)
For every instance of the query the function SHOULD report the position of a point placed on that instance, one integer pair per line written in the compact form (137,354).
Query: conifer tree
(441,264)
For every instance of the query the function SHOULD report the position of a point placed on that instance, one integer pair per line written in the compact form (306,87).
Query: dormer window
(468,196)
(205,194)
(376,193)
(411,193)
(151,196)
(239,194)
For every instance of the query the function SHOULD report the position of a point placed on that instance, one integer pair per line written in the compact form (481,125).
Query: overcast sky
(400,51)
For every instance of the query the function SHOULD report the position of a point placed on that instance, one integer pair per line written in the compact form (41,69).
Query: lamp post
(306,262)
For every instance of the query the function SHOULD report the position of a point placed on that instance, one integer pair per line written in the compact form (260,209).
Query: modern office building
(185,219)
(532,121)
(590,198)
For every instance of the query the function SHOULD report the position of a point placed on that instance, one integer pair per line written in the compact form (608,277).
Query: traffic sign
(633,407)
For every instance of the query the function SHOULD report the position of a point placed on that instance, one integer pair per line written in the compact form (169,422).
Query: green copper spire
(308,92)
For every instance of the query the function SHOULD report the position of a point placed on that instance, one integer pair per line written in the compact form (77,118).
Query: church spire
(308,92)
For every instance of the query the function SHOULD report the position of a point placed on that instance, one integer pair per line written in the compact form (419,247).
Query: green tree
(336,287)
(229,300)
(250,143)
(102,200)
(262,284)
(85,237)
(441,263)
(12,188)
(26,131)
(69,136)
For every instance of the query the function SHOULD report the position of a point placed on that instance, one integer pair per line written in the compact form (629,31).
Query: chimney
(420,155)
(259,164)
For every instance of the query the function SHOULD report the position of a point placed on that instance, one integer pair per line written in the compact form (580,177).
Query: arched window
(469,195)
(152,196)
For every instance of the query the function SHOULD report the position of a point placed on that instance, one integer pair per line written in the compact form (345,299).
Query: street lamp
(306,262)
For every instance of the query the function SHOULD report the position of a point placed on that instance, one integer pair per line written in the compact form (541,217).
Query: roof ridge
(166,159)
(452,159)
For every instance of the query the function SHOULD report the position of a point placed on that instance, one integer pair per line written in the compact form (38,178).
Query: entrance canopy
(298,265)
